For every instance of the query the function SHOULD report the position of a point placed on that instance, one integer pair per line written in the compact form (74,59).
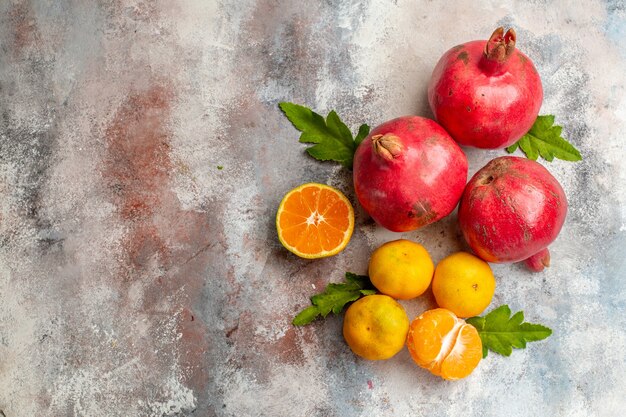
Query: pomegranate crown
(387,146)
(500,45)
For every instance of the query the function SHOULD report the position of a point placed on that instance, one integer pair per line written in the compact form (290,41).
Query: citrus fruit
(464,284)
(401,269)
(314,221)
(375,327)
(444,344)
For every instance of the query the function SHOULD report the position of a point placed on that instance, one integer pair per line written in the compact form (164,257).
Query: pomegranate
(486,94)
(511,210)
(409,173)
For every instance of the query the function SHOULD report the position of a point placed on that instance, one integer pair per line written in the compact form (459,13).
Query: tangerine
(444,344)
(314,221)
(375,327)
(464,284)
(401,269)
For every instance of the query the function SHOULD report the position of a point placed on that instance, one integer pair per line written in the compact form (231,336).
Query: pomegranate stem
(500,45)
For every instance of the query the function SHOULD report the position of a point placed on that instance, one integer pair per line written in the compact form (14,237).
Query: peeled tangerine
(444,344)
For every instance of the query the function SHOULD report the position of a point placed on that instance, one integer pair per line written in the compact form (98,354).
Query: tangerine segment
(315,221)
(427,335)
(464,357)
(444,344)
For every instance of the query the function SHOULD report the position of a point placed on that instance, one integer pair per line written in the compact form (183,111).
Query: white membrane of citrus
(449,341)
(315,218)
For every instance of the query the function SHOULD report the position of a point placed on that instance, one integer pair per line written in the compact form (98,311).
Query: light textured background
(138,279)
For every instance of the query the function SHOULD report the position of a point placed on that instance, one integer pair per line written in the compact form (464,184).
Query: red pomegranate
(486,94)
(511,210)
(409,173)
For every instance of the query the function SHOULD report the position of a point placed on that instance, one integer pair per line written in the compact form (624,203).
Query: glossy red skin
(482,103)
(511,209)
(422,185)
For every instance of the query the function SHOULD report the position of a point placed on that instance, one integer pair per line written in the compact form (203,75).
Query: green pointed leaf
(500,332)
(334,298)
(331,151)
(364,130)
(516,319)
(332,138)
(499,315)
(535,332)
(532,152)
(545,140)
(478,322)
(513,147)
(310,123)
(362,281)
(339,129)
(306,316)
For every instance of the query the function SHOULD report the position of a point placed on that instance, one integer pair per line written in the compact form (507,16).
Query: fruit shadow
(430,385)
(423,108)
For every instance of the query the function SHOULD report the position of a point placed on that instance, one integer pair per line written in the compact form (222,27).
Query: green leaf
(339,130)
(310,123)
(332,138)
(500,332)
(361,281)
(306,316)
(329,151)
(364,130)
(513,147)
(545,140)
(334,298)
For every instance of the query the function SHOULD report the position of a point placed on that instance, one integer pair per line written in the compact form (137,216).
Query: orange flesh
(444,344)
(315,220)
(465,355)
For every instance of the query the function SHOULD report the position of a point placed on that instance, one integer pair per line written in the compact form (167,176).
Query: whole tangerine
(375,327)
(401,269)
(464,284)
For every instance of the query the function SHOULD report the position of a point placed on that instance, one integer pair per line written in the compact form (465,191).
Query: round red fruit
(511,210)
(486,94)
(409,173)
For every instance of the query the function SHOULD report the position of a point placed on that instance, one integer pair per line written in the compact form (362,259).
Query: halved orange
(444,344)
(315,221)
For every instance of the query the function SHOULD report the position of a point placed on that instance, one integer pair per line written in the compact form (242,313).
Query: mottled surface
(142,158)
